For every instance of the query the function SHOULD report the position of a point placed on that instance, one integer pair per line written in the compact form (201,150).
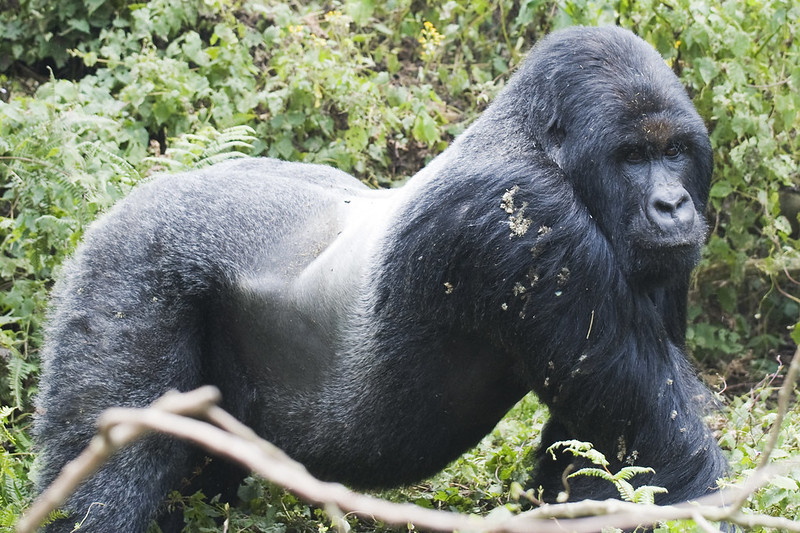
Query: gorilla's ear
(543,120)
(553,141)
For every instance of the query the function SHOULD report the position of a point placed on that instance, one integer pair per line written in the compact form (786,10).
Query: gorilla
(377,334)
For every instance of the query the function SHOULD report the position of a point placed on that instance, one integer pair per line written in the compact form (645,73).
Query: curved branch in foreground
(227,437)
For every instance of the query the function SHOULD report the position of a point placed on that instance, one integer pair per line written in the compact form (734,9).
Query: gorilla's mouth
(652,237)
(659,265)
(668,244)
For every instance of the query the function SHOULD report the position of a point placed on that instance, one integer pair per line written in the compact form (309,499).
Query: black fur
(375,335)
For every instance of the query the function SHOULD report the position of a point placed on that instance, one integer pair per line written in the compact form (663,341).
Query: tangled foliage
(97,94)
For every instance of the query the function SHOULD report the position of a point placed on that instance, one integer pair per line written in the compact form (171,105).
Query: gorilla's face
(662,226)
(630,142)
(646,191)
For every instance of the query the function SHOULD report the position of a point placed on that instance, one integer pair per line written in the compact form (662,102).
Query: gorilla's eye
(673,150)
(634,155)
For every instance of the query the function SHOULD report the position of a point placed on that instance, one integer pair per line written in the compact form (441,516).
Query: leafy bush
(97,95)
(60,168)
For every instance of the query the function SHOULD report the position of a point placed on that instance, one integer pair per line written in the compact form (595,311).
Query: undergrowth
(97,95)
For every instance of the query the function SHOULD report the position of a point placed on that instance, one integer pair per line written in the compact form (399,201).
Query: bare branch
(103,445)
(229,438)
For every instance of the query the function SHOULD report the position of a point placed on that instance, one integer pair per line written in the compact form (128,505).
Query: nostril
(669,204)
(670,208)
(682,201)
(664,207)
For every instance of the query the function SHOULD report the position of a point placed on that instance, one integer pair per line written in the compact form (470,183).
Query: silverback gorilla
(375,335)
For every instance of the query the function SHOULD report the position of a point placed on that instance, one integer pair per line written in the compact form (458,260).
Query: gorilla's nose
(671,209)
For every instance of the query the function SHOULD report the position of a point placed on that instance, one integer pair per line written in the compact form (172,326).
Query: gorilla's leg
(548,473)
(125,493)
(122,334)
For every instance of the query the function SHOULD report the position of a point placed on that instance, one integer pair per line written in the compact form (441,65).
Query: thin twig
(783,406)
(229,438)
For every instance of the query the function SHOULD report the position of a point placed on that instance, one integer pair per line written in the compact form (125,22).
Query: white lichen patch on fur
(562,277)
(631,459)
(519,289)
(507,201)
(533,276)
(517,222)
(622,449)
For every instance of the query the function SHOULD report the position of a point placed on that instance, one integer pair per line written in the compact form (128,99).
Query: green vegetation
(96,95)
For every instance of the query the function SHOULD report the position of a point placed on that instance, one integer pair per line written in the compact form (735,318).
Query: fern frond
(19,369)
(630,471)
(74,187)
(646,494)
(219,147)
(594,472)
(625,490)
(579,449)
(195,150)
(121,166)
(216,158)
(244,134)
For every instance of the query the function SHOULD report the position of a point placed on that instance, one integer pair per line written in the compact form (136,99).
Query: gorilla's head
(605,107)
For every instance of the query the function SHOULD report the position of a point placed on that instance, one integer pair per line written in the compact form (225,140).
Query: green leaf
(721,189)
(740,44)
(784,482)
(356,138)
(193,48)
(782,225)
(93,5)
(425,129)
(796,333)
(163,111)
(360,10)
(707,67)
(285,147)
(79,24)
